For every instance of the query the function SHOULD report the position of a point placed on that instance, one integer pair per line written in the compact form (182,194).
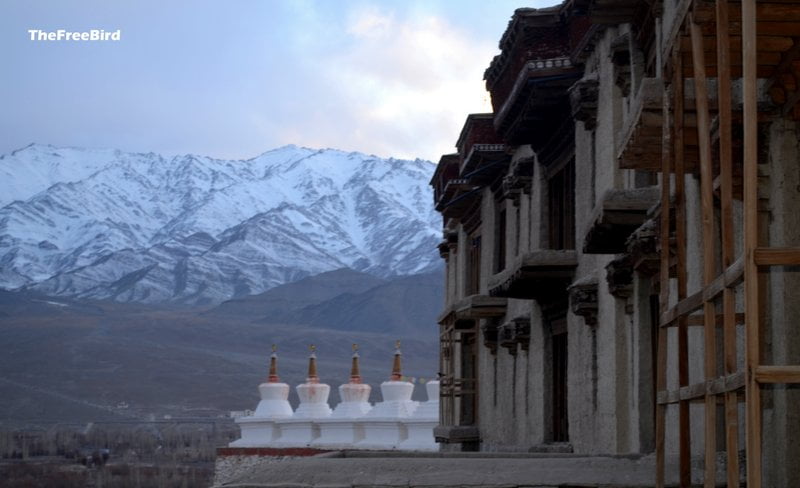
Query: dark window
(593,173)
(561,208)
(469,397)
(474,266)
(500,237)
(654,328)
(560,424)
(517,229)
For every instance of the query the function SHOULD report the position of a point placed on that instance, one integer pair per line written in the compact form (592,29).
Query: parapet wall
(234,462)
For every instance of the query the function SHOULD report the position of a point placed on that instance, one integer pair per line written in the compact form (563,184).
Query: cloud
(404,86)
(389,78)
(370,23)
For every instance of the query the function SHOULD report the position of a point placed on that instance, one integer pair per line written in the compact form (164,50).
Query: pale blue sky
(232,79)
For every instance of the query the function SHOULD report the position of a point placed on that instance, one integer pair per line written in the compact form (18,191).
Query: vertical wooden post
(728,248)
(684,438)
(752,326)
(709,257)
(661,352)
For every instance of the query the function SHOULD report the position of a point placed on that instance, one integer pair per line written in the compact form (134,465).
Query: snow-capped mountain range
(190,229)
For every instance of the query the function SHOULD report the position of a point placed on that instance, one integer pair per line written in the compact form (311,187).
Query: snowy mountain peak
(103,223)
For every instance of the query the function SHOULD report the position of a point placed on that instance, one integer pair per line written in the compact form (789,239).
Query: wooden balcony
(478,144)
(446,170)
(450,190)
(538,96)
(640,145)
(472,308)
(532,34)
(618,214)
(535,275)
(485,162)
(460,198)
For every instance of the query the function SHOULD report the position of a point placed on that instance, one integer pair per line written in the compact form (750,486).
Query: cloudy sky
(232,79)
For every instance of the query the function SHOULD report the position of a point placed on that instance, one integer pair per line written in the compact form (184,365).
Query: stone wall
(233,463)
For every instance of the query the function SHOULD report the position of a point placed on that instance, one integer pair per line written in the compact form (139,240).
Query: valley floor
(113,455)
(65,473)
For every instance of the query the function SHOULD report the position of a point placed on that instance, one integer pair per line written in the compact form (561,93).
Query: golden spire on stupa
(273,366)
(397,371)
(312,365)
(355,372)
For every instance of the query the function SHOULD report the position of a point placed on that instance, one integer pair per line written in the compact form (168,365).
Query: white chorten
(419,427)
(301,429)
(274,402)
(342,429)
(429,409)
(313,394)
(383,428)
(354,394)
(396,393)
(259,429)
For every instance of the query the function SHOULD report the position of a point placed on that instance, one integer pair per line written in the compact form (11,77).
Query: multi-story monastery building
(622,240)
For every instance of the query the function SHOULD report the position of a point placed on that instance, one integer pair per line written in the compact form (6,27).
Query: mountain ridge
(195,230)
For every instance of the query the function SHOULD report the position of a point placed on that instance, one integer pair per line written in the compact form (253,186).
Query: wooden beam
(765,60)
(787,58)
(661,351)
(763,70)
(728,278)
(709,258)
(684,437)
(729,318)
(777,256)
(752,326)
(782,84)
(763,11)
(661,410)
(666,397)
(776,44)
(682,308)
(725,134)
(717,386)
(699,320)
(773,28)
(778,374)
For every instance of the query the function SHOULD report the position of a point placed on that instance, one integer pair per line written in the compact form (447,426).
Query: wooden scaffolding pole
(728,230)
(684,437)
(752,324)
(709,257)
(661,351)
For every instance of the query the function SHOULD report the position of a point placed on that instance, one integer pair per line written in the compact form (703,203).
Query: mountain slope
(133,227)
(349,301)
(406,306)
(282,302)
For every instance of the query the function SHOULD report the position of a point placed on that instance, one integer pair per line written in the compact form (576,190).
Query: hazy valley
(139,286)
